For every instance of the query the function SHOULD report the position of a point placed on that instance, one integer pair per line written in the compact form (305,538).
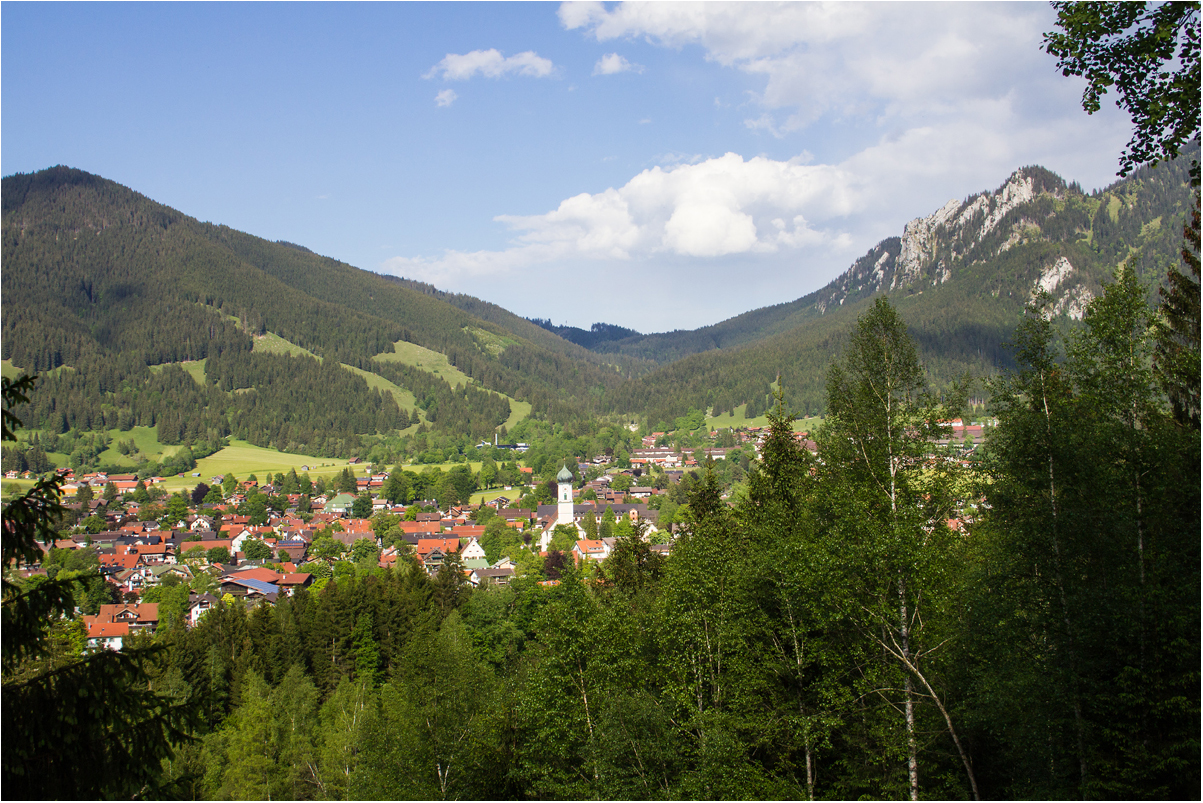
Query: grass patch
(242,459)
(194,368)
(480,497)
(272,343)
(726,421)
(433,362)
(489,342)
(145,438)
(405,400)
(518,411)
(8,370)
(14,486)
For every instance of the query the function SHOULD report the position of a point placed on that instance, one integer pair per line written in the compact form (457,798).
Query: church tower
(564,478)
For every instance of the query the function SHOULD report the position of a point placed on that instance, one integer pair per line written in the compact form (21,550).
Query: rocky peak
(929,245)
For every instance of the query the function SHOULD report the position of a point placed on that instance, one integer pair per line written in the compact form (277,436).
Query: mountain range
(113,296)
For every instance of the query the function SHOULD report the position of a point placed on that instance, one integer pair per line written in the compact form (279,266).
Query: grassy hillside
(426,359)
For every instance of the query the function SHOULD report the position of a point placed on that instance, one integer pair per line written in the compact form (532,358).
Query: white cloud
(909,105)
(715,208)
(612,63)
(445,98)
(491,64)
(877,62)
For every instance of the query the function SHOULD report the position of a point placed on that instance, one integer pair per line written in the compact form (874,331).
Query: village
(217,552)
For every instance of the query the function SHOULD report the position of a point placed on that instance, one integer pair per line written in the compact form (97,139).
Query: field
(272,343)
(518,411)
(405,400)
(145,438)
(195,369)
(739,420)
(408,353)
(9,370)
(241,459)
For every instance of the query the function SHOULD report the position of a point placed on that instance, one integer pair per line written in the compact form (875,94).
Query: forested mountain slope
(959,277)
(104,282)
(101,282)
(1141,214)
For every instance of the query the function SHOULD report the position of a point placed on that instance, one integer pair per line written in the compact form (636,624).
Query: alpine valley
(136,315)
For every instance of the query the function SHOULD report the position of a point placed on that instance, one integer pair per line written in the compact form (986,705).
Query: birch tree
(896,487)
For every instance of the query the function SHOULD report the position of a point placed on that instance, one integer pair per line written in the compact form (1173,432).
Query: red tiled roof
(120,561)
(97,629)
(143,612)
(426,545)
(262,574)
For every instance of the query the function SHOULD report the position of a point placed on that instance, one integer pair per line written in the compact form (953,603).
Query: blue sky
(657,165)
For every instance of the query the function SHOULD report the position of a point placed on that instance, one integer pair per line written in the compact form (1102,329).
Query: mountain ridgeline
(960,277)
(104,288)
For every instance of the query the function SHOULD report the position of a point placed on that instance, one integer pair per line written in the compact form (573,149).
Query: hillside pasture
(433,362)
(738,420)
(194,368)
(145,438)
(272,343)
(404,398)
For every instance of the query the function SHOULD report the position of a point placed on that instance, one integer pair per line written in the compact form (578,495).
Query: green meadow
(726,421)
(433,362)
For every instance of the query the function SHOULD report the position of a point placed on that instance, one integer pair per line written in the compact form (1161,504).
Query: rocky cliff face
(963,233)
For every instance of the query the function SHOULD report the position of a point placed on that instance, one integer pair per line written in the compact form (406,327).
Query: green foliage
(361,508)
(255,549)
(75,727)
(1150,54)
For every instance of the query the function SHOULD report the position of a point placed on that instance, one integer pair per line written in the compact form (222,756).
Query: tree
(880,430)
(255,549)
(363,549)
(74,727)
(345,482)
(632,566)
(361,508)
(218,554)
(396,488)
(177,509)
(326,548)
(200,494)
(1078,585)
(1176,358)
(1150,54)
(94,524)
